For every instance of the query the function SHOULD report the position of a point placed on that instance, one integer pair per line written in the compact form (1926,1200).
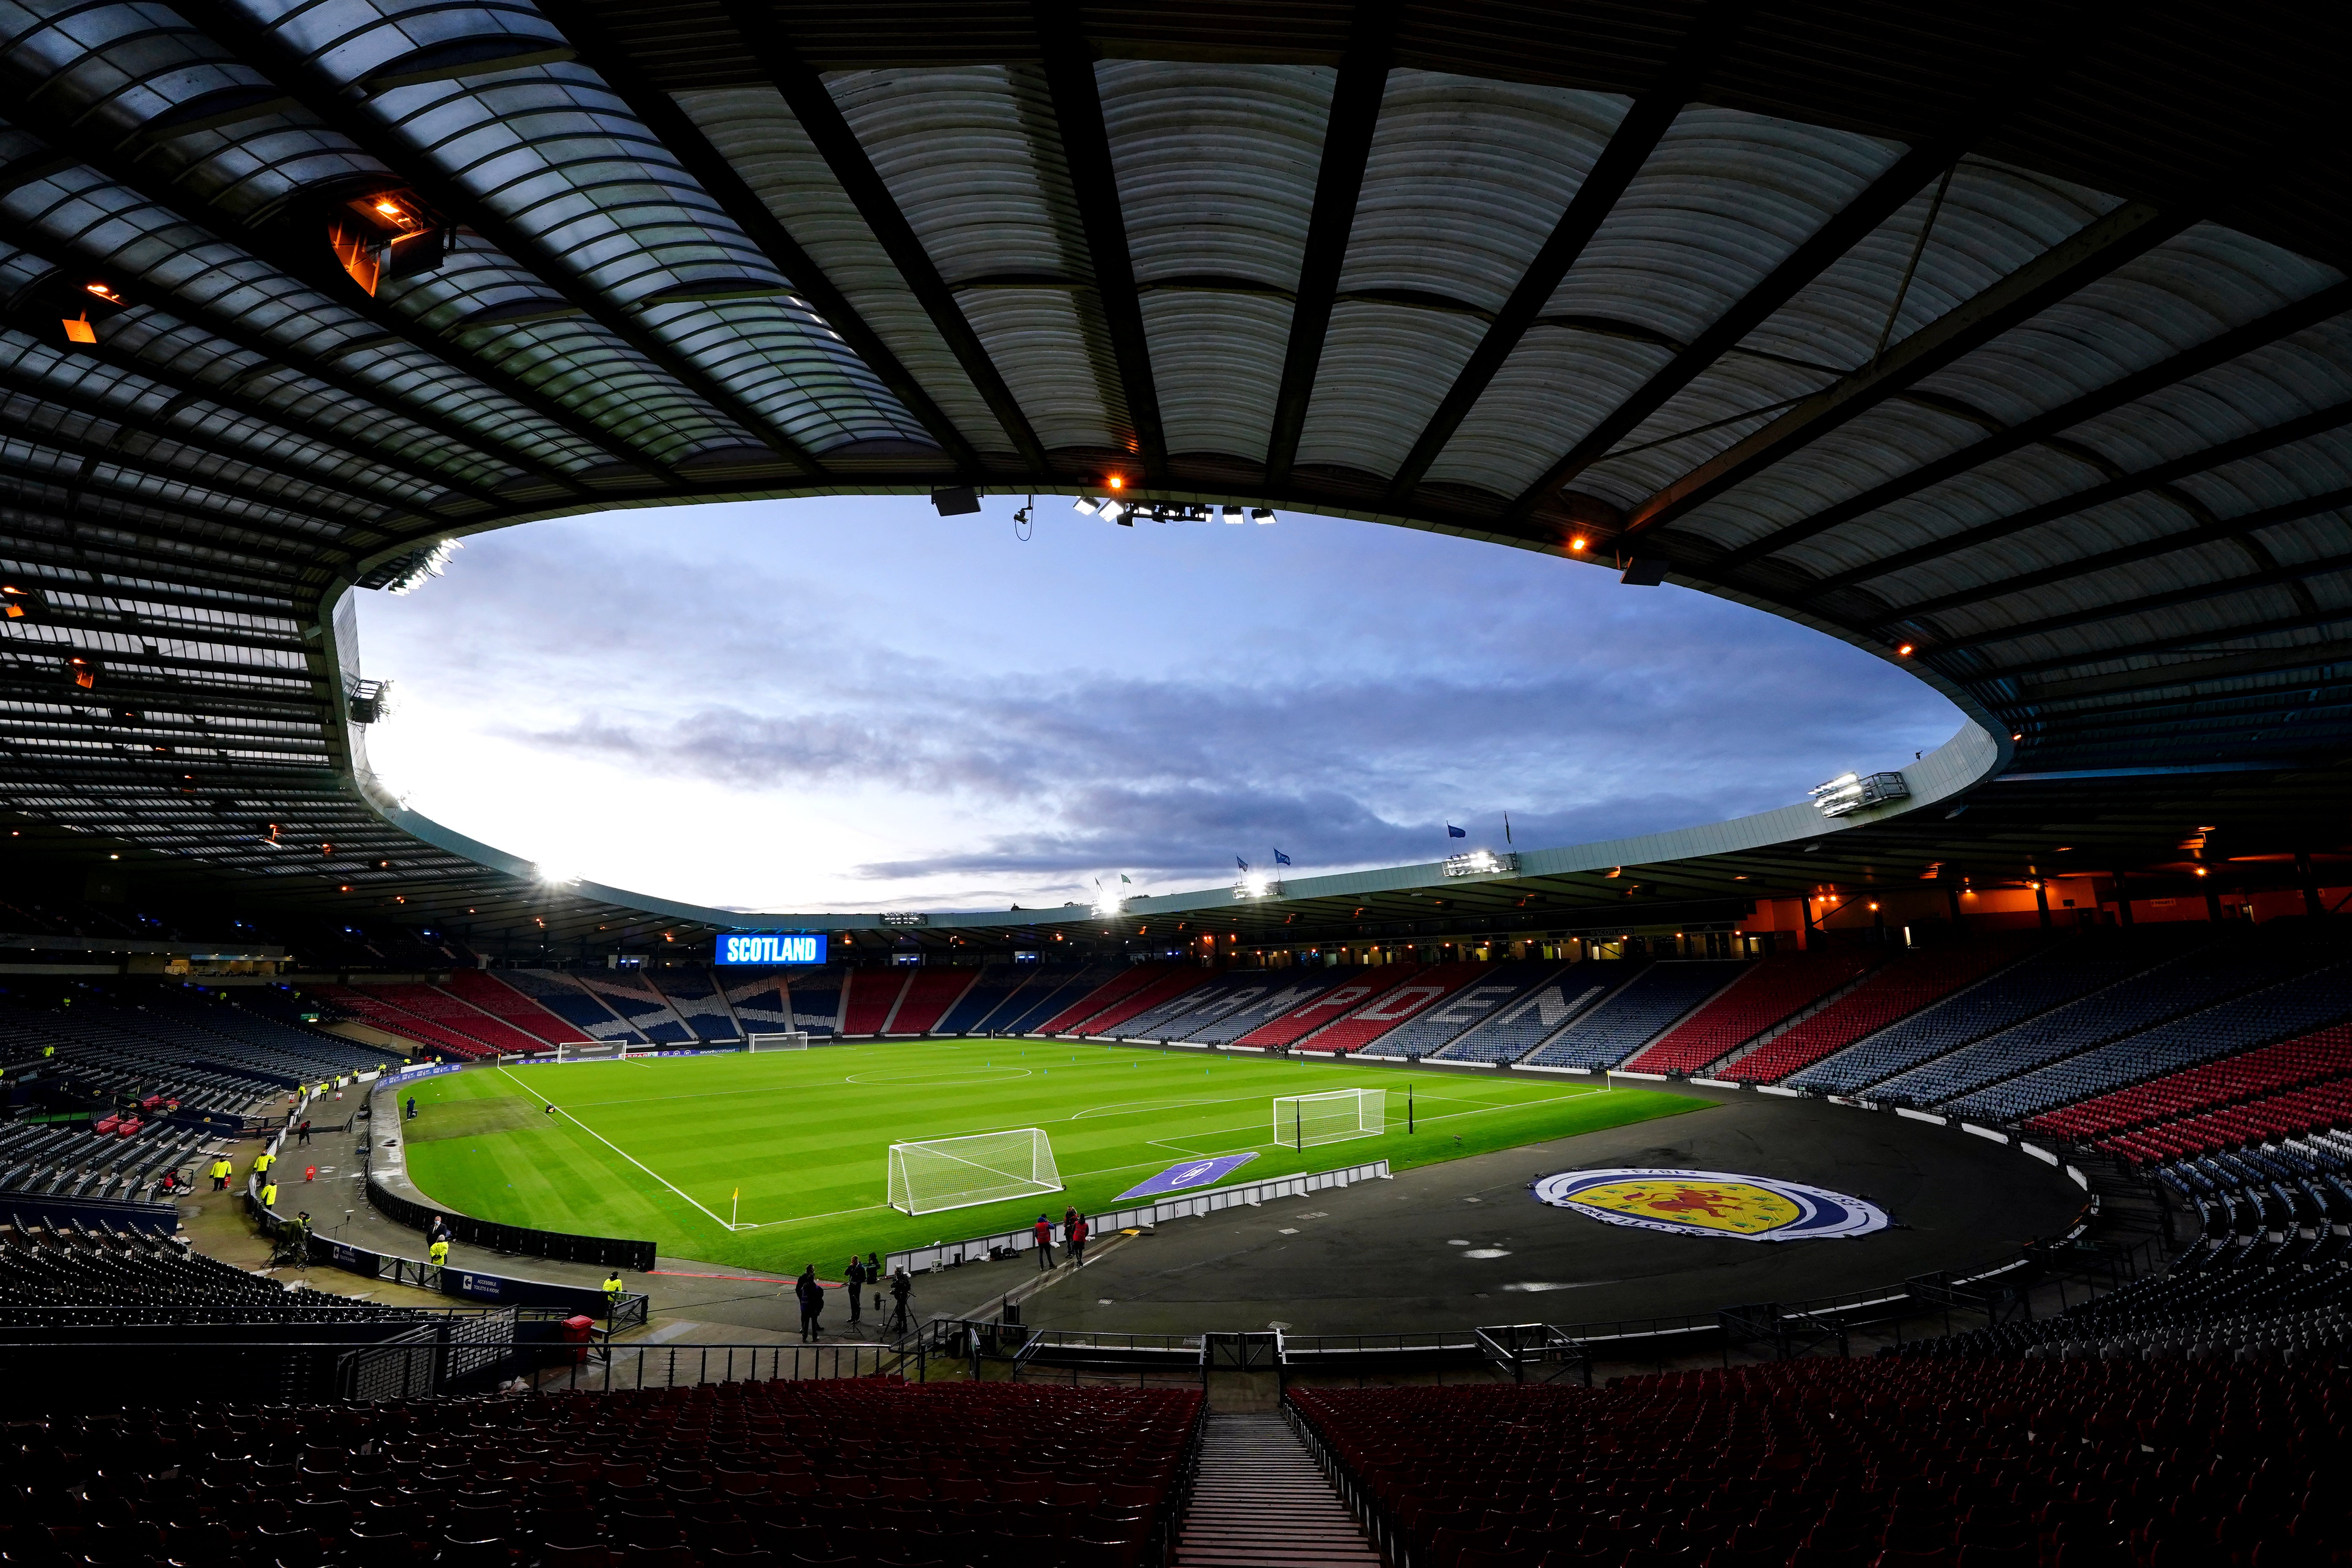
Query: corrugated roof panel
(759,136)
(972,159)
(1464,182)
(1217,362)
(1560,382)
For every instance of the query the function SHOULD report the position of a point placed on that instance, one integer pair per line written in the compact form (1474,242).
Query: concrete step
(1260,1501)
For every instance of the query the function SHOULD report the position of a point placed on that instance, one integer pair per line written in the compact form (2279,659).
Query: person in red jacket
(1077,1232)
(1043,1233)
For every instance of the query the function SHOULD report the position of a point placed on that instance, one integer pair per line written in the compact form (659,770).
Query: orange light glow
(1904,652)
(103,292)
(389,209)
(79,331)
(2199,871)
(1576,543)
(1117,482)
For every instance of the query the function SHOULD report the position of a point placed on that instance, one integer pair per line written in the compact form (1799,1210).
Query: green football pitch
(779,1159)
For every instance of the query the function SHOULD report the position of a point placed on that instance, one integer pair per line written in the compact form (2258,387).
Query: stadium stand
(2318,1057)
(1494,986)
(756,1474)
(369,1005)
(2316,1108)
(1938,1460)
(2195,981)
(45,1274)
(2294,1185)
(2076,966)
(926,999)
(694,996)
(1124,983)
(1267,996)
(1356,990)
(118,1166)
(2275,1012)
(1525,1024)
(1048,994)
(869,998)
(1203,1003)
(1772,990)
(630,995)
(1393,1007)
(216,1032)
(1910,981)
(577,1007)
(2217,1303)
(484,991)
(815,996)
(460,1016)
(1168,982)
(997,984)
(1634,1014)
(758,999)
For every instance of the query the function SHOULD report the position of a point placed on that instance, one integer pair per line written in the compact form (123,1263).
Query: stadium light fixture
(1087,505)
(1233,514)
(1577,544)
(1117,482)
(1903,651)
(1117,512)
(955,501)
(1261,514)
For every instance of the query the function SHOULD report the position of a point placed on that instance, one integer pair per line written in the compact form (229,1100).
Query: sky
(854,705)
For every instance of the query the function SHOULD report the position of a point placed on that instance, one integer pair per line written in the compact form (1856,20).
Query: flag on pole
(1506,826)
(1241,862)
(1124,877)
(1453,832)
(1281,859)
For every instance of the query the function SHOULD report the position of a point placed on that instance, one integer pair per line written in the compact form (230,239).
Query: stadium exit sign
(772,949)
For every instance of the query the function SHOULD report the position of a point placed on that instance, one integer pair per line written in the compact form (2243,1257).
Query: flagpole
(735,1207)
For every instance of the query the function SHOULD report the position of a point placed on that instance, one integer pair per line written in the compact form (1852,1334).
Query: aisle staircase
(1261,1502)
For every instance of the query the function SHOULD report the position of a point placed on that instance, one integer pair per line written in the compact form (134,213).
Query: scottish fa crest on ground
(1711,1203)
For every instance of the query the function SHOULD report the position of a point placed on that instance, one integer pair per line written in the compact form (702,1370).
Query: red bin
(580,1330)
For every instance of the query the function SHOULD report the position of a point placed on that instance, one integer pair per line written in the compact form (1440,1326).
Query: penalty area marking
(622,1152)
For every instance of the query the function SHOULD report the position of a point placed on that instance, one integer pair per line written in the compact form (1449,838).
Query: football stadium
(1947,1166)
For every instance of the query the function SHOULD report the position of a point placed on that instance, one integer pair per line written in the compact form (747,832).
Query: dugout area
(777,1159)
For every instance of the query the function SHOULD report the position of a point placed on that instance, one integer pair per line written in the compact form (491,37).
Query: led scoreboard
(772,949)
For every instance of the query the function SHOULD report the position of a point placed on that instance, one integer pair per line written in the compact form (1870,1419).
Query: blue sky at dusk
(857,705)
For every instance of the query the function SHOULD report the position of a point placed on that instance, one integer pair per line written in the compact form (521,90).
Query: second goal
(963,1173)
(1301,1120)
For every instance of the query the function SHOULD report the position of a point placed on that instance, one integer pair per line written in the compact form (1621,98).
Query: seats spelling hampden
(869,1471)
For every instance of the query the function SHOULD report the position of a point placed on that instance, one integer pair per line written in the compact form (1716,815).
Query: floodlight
(1115,511)
(1261,514)
(1643,571)
(1233,514)
(1087,505)
(955,501)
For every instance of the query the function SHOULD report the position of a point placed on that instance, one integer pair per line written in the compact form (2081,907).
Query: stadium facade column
(2312,904)
(2212,902)
(2041,898)
(1952,897)
(2123,897)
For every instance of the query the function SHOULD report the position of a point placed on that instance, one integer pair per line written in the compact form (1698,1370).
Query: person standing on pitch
(1042,1231)
(812,1300)
(854,1281)
(411,1107)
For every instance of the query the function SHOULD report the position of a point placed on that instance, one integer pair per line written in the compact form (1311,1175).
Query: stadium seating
(1932,1461)
(369,1005)
(2195,981)
(2275,1012)
(928,998)
(1528,1022)
(871,995)
(837,1471)
(758,999)
(1163,983)
(1047,994)
(73,1161)
(45,1274)
(1910,981)
(1401,1002)
(816,996)
(1203,1003)
(2314,1057)
(632,996)
(1117,984)
(997,984)
(1635,1013)
(1759,999)
(1494,986)
(693,994)
(1327,1005)
(575,1006)
(2076,966)
(2213,1305)
(486,991)
(2310,1109)
(208,1057)
(1267,995)
(463,1017)
(2288,1185)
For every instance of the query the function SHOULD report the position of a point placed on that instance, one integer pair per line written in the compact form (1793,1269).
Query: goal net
(593,1050)
(1302,1121)
(960,1173)
(795,1040)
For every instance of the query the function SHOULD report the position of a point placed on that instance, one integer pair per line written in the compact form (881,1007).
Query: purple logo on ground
(1192,1173)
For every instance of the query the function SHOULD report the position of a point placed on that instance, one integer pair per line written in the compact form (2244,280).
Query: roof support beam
(261,48)
(64,548)
(1348,130)
(1637,135)
(2096,250)
(361,442)
(45,572)
(812,105)
(1094,179)
(2162,475)
(2278,577)
(2215,351)
(2226,667)
(225,532)
(677,131)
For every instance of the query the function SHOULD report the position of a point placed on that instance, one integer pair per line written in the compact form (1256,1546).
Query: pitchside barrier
(946,1254)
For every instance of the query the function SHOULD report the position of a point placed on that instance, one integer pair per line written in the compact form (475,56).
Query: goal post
(963,1173)
(1334,1116)
(796,1040)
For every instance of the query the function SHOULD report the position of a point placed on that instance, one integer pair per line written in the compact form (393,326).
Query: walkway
(1262,1502)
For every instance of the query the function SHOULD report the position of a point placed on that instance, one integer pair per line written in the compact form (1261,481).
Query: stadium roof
(2012,335)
